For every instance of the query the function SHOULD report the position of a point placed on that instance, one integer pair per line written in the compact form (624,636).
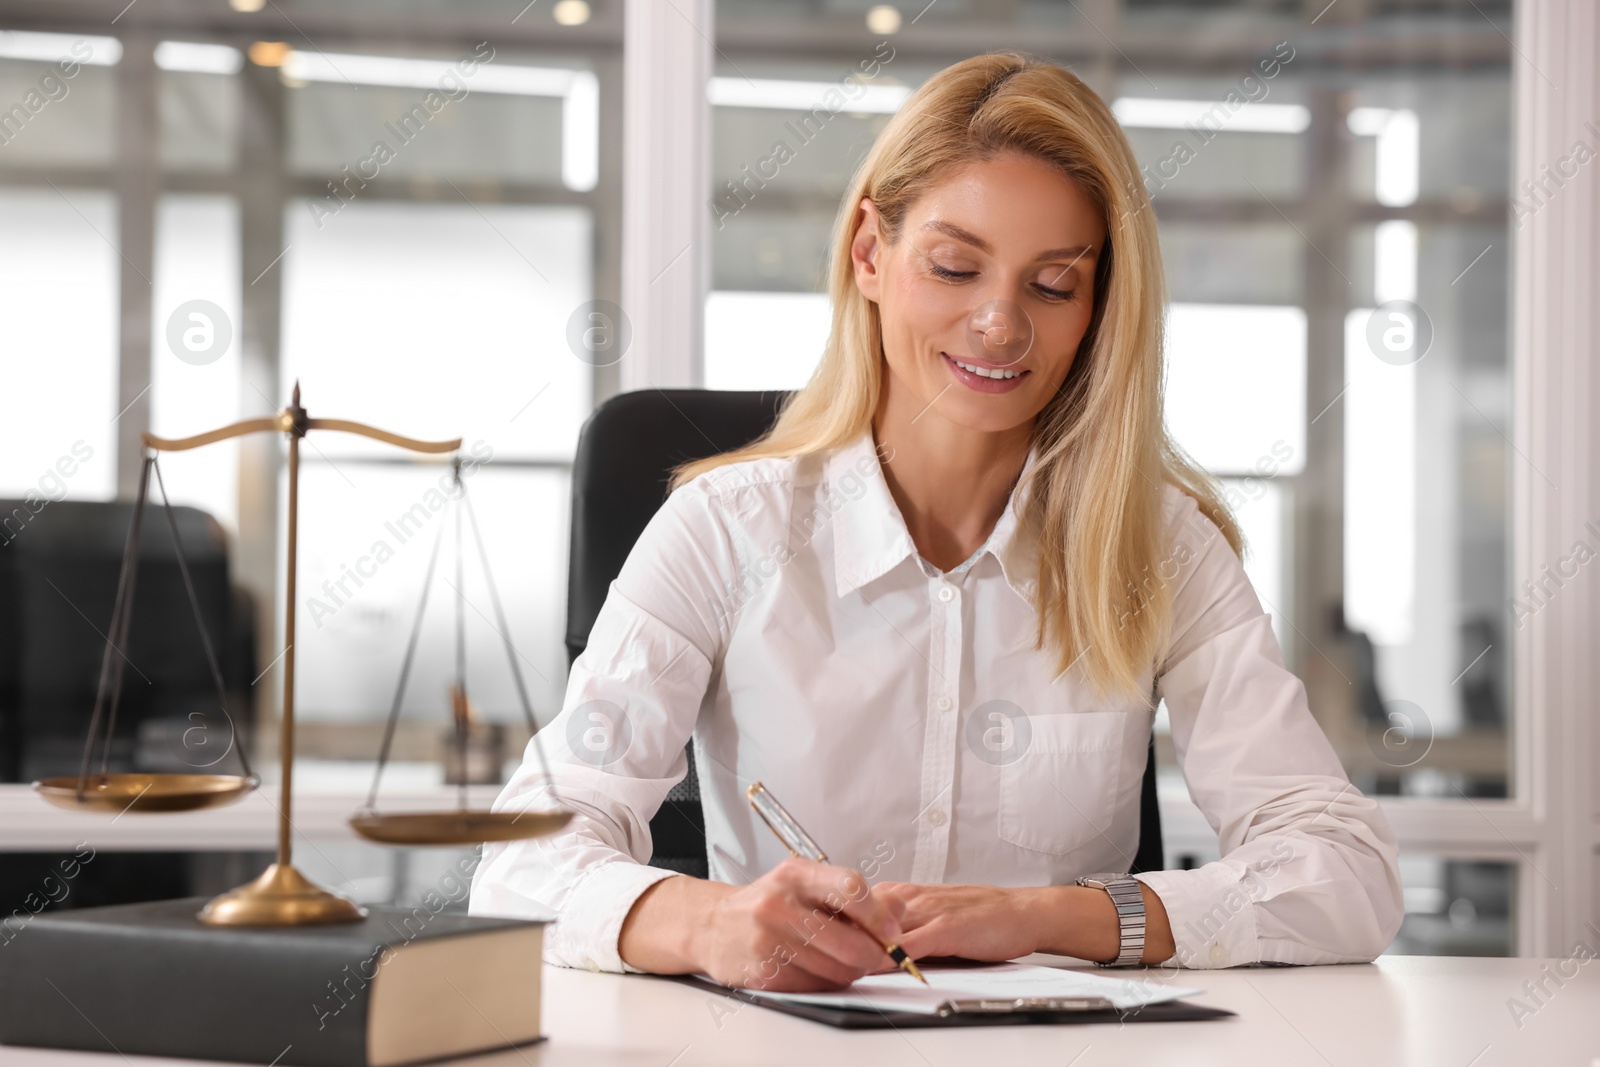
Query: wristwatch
(1128,897)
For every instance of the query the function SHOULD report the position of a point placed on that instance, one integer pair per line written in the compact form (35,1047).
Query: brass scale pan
(116,793)
(162,792)
(144,792)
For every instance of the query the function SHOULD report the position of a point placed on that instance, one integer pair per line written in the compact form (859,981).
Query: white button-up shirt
(777,612)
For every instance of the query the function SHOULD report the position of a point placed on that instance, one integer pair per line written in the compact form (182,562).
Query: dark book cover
(151,979)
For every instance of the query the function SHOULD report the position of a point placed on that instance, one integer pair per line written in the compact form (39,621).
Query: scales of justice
(282,896)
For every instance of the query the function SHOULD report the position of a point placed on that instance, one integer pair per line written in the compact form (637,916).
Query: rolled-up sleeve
(617,746)
(1310,866)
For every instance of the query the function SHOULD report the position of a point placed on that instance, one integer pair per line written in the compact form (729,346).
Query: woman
(934,608)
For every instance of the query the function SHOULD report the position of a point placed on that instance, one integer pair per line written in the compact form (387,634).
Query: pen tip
(905,962)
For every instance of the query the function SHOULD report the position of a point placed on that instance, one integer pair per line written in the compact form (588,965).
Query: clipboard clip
(1003,1005)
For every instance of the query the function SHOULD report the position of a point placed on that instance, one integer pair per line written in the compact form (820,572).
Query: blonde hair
(1104,453)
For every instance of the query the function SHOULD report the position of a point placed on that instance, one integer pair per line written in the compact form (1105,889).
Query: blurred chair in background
(59,566)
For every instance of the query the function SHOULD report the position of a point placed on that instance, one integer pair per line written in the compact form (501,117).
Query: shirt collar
(870,535)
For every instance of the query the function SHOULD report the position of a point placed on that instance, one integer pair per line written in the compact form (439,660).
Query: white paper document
(986,988)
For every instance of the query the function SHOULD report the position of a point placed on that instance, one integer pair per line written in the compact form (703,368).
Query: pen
(797,841)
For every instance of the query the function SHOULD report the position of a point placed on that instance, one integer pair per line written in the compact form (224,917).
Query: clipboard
(1025,1012)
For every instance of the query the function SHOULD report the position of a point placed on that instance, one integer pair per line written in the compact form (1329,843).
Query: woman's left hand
(977,922)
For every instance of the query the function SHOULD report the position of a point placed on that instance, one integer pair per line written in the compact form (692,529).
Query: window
(406,230)
(195,348)
(1340,243)
(1314,214)
(58,299)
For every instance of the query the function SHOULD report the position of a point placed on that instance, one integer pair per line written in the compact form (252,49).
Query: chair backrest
(59,565)
(625,453)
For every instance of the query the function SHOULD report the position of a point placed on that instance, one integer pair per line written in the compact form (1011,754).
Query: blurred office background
(224,154)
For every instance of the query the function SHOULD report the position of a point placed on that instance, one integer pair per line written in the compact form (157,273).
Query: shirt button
(936,817)
(945,593)
(943,703)
(1218,953)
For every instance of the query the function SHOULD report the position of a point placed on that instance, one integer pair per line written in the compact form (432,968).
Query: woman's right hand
(801,927)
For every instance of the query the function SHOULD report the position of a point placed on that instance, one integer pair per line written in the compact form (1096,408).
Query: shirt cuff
(585,933)
(1213,920)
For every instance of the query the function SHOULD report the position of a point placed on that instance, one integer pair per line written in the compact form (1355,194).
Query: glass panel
(1216,18)
(58,301)
(1247,263)
(194,348)
(771,251)
(825,116)
(1456,129)
(57,99)
(1427,482)
(1236,136)
(441,320)
(356,118)
(367,531)
(1457,907)
(1236,386)
(199,119)
(876,18)
(780,359)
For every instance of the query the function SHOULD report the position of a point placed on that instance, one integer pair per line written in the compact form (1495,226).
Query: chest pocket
(1060,794)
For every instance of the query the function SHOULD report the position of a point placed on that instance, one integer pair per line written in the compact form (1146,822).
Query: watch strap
(1128,898)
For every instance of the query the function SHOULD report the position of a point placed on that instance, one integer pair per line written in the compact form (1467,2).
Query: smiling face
(985,298)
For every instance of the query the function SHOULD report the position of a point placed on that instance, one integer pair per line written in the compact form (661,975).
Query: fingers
(798,950)
(843,889)
(781,969)
(803,925)
(771,954)
(929,939)
(894,894)
(794,978)
(837,916)
(817,960)
(907,902)
(842,940)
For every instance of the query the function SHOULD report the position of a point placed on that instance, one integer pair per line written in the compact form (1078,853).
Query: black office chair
(59,564)
(626,451)
(58,579)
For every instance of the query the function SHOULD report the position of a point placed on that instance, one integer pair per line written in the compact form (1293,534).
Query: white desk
(1414,1011)
(327,793)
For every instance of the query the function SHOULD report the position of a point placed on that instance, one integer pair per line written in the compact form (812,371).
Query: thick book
(402,986)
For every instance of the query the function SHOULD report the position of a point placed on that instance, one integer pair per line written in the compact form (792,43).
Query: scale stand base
(282,896)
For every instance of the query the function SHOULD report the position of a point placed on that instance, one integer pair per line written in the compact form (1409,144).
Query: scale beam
(284,422)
